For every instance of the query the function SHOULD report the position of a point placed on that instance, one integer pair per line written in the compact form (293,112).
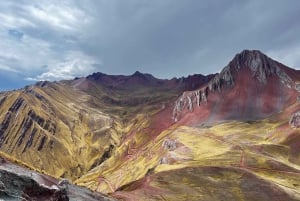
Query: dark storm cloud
(171,39)
(166,38)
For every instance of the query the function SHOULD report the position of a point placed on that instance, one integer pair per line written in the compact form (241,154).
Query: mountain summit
(255,64)
(260,65)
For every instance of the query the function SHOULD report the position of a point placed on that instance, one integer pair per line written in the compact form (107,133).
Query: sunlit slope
(52,129)
(67,128)
(230,161)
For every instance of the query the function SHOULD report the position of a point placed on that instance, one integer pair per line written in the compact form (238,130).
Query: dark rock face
(42,83)
(13,186)
(295,120)
(2,100)
(48,125)
(16,105)
(18,183)
(224,79)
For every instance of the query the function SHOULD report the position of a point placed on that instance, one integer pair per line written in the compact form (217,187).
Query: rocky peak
(143,76)
(250,58)
(260,65)
(96,76)
(137,73)
(261,68)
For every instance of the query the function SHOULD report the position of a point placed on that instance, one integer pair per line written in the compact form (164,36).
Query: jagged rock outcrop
(260,65)
(224,79)
(169,144)
(189,100)
(295,120)
(164,160)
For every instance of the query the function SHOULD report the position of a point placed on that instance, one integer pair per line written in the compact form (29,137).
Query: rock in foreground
(17,183)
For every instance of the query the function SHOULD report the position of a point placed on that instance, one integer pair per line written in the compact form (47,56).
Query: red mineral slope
(251,86)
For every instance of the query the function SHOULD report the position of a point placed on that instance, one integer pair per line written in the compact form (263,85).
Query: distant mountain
(139,79)
(142,138)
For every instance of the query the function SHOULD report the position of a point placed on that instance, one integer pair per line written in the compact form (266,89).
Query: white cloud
(58,15)
(10,21)
(76,64)
(49,37)
(24,55)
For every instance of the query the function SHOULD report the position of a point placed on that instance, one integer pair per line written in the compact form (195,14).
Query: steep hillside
(67,128)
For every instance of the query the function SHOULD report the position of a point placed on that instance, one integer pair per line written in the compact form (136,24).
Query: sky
(55,40)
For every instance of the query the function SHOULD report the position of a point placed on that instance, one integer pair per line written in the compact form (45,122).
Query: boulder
(169,144)
(295,120)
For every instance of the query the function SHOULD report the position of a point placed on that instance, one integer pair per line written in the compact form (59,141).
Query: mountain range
(233,135)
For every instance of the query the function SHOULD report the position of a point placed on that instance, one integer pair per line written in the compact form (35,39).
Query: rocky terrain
(18,183)
(232,135)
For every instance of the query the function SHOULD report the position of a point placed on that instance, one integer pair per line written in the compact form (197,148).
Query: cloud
(38,33)
(76,64)
(58,15)
(11,21)
(165,38)
(174,39)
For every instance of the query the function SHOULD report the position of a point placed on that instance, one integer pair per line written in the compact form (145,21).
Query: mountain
(233,135)
(250,87)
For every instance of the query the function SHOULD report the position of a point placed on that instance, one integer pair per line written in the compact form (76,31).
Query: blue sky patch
(16,34)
